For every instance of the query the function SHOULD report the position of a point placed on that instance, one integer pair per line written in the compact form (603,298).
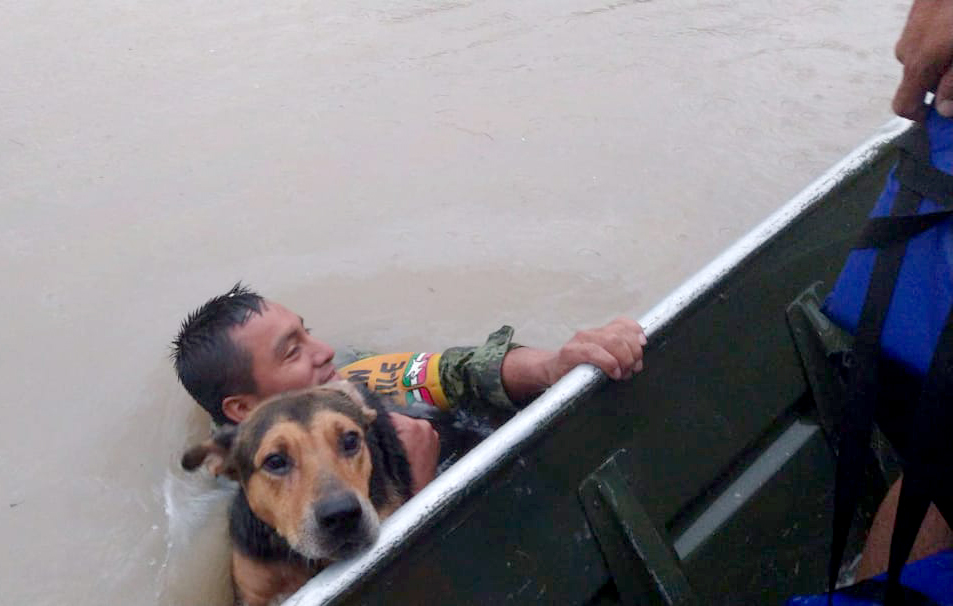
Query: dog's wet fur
(318,469)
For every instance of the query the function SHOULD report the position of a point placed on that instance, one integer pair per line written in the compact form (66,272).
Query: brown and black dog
(318,470)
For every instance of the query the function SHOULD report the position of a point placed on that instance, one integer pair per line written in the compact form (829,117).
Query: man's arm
(500,375)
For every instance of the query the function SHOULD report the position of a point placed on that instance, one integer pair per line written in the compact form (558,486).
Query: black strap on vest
(916,172)
(881,232)
(921,485)
(927,182)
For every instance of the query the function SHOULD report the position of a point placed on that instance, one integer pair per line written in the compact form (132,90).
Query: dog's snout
(340,514)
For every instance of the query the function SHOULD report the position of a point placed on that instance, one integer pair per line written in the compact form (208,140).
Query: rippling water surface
(405,174)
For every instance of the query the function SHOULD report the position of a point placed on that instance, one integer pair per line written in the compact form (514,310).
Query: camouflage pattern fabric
(471,377)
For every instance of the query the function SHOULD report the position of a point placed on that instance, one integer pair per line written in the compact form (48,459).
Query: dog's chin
(350,548)
(343,548)
(335,550)
(316,546)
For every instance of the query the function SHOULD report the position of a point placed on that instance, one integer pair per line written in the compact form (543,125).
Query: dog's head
(305,466)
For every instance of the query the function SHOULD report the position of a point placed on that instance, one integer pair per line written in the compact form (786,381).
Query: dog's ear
(359,395)
(213,453)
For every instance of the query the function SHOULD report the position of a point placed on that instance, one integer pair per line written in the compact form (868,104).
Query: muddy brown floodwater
(405,174)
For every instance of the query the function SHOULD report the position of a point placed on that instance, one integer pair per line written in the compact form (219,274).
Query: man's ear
(236,408)
(213,453)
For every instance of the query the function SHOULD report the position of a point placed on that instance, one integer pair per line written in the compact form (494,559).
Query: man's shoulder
(349,355)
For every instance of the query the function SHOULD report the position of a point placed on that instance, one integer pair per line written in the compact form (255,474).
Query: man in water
(238,349)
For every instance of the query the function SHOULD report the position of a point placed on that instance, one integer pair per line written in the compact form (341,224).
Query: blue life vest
(923,293)
(895,295)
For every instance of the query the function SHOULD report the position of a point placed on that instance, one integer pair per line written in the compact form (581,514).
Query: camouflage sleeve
(470,376)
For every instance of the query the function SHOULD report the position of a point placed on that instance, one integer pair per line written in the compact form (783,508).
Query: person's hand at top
(615,348)
(925,49)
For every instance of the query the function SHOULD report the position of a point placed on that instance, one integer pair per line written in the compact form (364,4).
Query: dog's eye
(276,464)
(351,442)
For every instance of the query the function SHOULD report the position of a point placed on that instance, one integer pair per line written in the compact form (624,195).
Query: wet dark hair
(210,365)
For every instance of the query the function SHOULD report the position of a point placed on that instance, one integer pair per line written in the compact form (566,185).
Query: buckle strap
(918,174)
(882,232)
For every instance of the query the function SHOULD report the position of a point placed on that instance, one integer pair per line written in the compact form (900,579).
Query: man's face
(284,355)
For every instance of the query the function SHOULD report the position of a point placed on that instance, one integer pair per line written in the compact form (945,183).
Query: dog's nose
(339,514)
